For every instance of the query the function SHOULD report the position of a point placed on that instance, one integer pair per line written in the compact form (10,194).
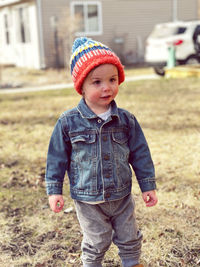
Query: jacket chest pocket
(84,147)
(120,143)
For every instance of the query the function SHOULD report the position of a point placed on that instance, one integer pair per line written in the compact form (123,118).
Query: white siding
(19,53)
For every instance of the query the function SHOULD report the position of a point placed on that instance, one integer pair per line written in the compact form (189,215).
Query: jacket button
(105,138)
(107,195)
(106,157)
(99,121)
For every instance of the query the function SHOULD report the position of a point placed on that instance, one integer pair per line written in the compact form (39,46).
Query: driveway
(70,85)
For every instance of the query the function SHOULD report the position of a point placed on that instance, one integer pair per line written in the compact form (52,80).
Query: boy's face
(100,87)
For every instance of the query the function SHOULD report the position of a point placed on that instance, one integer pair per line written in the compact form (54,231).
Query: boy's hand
(56,202)
(150,198)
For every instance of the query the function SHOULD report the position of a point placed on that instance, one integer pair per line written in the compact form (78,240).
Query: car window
(181,30)
(163,31)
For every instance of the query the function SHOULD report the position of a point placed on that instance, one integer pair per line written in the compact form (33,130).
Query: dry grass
(31,235)
(22,77)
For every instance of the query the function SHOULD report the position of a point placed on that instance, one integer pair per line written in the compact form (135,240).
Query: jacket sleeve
(58,159)
(140,157)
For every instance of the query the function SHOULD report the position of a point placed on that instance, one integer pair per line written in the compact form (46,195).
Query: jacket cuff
(147,184)
(54,188)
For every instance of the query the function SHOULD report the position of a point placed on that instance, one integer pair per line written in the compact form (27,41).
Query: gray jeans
(108,222)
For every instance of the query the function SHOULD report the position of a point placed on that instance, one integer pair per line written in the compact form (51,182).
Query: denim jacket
(98,155)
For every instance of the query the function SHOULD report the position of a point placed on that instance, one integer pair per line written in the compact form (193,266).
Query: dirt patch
(23,178)
(187,256)
(22,77)
(20,244)
(26,242)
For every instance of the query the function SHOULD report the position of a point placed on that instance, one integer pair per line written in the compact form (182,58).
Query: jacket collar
(86,112)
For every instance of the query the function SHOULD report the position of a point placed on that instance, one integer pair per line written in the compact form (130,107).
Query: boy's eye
(97,82)
(113,79)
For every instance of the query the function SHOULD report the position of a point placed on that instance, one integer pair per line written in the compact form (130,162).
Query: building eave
(4,3)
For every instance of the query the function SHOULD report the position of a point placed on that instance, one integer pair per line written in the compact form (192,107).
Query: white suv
(182,36)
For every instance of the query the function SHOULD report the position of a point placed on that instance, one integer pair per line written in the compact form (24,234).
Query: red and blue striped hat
(88,54)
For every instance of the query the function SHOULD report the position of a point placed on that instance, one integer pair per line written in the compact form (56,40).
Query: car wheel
(192,61)
(159,70)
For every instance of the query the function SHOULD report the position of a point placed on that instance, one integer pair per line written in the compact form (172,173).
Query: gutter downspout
(175,10)
(41,35)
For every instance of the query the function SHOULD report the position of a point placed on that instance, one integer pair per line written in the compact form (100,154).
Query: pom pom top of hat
(85,48)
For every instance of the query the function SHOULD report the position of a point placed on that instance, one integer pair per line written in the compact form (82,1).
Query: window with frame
(88,17)
(23,30)
(7,29)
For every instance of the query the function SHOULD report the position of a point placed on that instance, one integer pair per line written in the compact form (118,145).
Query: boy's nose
(105,87)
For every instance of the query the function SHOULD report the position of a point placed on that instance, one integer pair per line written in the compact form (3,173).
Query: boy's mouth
(105,97)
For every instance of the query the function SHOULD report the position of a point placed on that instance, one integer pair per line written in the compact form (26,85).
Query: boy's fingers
(61,202)
(151,202)
(58,207)
(150,199)
(56,203)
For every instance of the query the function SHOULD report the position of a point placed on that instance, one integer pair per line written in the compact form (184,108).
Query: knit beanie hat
(88,54)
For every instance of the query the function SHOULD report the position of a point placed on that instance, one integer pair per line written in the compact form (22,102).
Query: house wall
(198,4)
(54,9)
